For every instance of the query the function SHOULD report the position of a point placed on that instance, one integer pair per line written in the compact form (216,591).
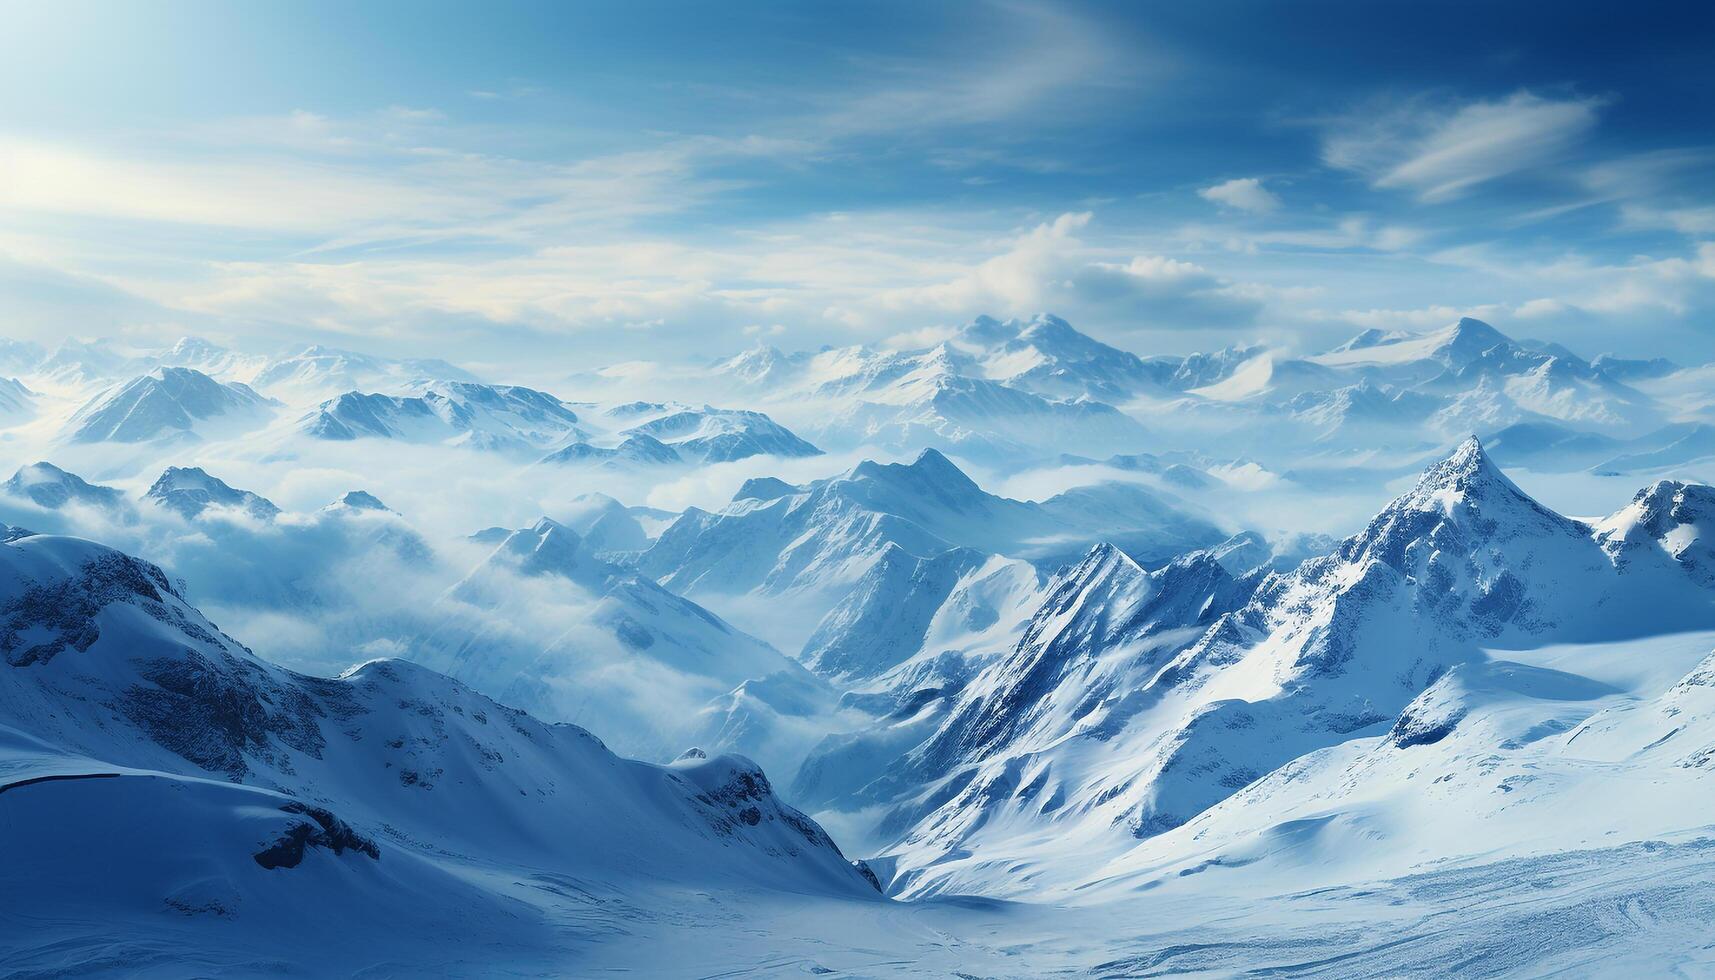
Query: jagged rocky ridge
(1135,700)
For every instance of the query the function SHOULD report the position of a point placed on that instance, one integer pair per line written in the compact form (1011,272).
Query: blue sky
(499,181)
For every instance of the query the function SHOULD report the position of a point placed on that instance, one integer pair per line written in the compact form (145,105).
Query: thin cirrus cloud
(1442,154)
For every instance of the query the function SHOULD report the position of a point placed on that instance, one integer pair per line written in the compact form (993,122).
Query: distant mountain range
(1022,390)
(1014,615)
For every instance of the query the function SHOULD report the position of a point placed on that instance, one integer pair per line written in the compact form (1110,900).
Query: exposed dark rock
(326,830)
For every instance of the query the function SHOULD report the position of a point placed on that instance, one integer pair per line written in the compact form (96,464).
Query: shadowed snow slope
(169,402)
(496,417)
(227,788)
(46,485)
(189,491)
(546,623)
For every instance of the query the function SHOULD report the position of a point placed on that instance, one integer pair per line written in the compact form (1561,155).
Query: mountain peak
(1470,338)
(190,490)
(40,472)
(1468,455)
(1467,490)
(764,488)
(362,500)
(1467,466)
(1101,560)
(49,486)
(986,330)
(544,547)
(547,526)
(933,464)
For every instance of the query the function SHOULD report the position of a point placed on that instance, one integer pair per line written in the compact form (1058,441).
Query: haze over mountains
(824,642)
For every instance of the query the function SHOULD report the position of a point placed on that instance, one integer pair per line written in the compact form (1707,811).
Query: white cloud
(1441,154)
(1686,220)
(1049,268)
(1243,194)
(1540,307)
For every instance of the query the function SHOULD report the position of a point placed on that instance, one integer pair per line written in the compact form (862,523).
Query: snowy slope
(17,402)
(1136,701)
(144,749)
(995,391)
(46,485)
(1003,393)
(1423,355)
(323,372)
(1361,410)
(882,621)
(1046,355)
(823,537)
(190,491)
(547,623)
(211,359)
(81,364)
(504,418)
(168,403)
(711,435)
(1671,448)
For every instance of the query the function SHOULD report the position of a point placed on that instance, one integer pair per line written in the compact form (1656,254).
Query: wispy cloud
(1044,52)
(1441,153)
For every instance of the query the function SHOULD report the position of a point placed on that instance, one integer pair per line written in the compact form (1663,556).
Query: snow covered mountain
(945,398)
(1155,684)
(212,359)
(158,768)
(1364,409)
(1495,381)
(1525,752)
(1136,700)
(609,527)
(168,404)
(1045,355)
(1420,357)
(816,541)
(189,491)
(1554,447)
(1004,392)
(322,372)
(665,433)
(19,356)
(48,486)
(547,623)
(16,400)
(504,418)
(711,435)
(634,450)
(81,364)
